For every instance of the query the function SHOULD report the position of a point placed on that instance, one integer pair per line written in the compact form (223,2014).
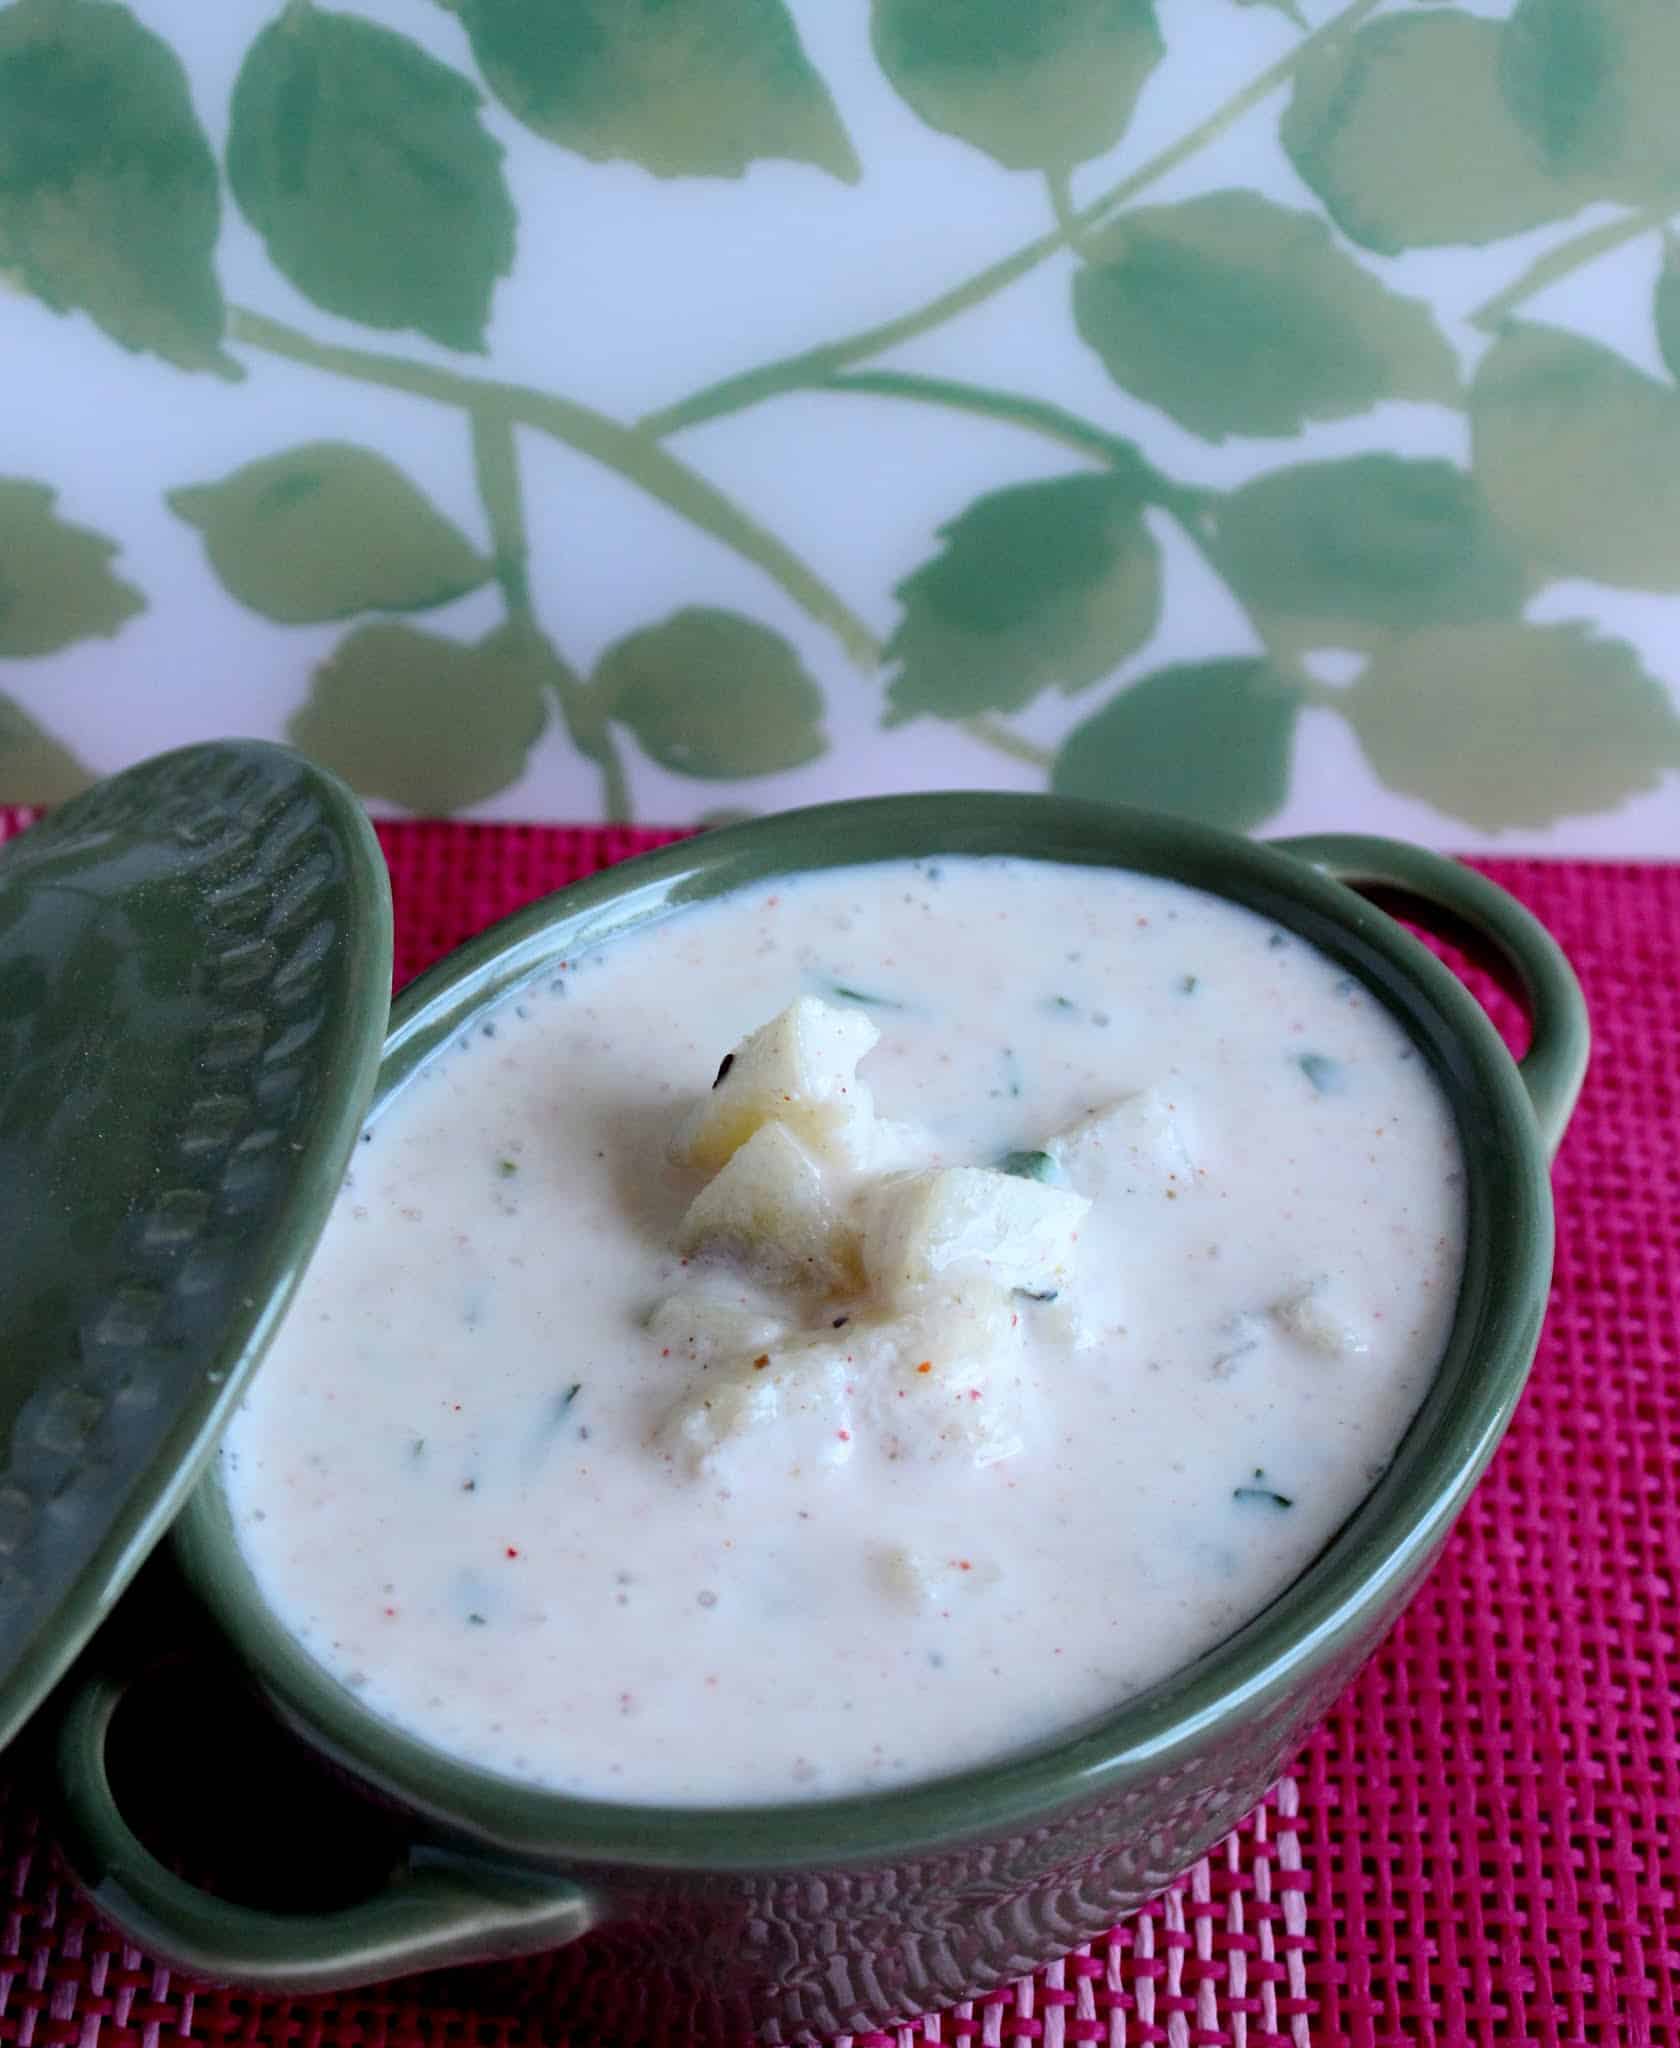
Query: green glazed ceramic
(788,1922)
(194,965)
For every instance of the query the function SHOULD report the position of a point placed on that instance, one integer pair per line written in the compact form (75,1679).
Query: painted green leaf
(1056,582)
(1593,87)
(109,203)
(1237,316)
(56,585)
(1404,131)
(712,694)
(685,88)
(325,531)
(362,163)
(422,721)
(34,767)
(1037,84)
(1545,722)
(1206,739)
(1339,554)
(1667,307)
(1579,454)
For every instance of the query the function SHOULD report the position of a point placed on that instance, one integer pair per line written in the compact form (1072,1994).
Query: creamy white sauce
(450,1477)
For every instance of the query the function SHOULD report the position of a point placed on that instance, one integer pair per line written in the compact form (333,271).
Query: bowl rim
(1344,1596)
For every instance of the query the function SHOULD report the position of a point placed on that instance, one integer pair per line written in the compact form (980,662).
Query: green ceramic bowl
(799,1920)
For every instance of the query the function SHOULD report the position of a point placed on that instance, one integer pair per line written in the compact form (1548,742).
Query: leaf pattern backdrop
(673,407)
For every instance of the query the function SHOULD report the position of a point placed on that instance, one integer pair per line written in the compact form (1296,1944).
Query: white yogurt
(457,1478)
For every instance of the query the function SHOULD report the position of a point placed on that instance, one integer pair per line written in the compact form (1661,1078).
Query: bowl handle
(1457,903)
(444,1908)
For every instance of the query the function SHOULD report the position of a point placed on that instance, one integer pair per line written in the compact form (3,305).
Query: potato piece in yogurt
(800,1070)
(921,1229)
(951,1381)
(1319,1319)
(945,1382)
(923,1579)
(705,1325)
(793,1400)
(771,1207)
(1137,1144)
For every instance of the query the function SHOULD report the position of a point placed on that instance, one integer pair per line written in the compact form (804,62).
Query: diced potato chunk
(919,1578)
(921,1228)
(904,1577)
(1315,1318)
(1063,1315)
(770,1206)
(943,1382)
(801,1387)
(704,1327)
(1136,1145)
(947,1382)
(800,1069)
(702,1425)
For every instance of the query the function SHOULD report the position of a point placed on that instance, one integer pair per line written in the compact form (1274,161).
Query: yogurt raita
(851,1330)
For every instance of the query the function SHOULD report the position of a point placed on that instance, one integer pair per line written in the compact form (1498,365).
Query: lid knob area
(195,964)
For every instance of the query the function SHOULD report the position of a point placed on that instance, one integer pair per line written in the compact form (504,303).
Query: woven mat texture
(1482,1844)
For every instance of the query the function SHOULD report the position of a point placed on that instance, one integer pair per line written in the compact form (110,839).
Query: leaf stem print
(590,733)
(496,469)
(1572,255)
(1058,184)
(1004,739)
(618,448)
(814,365)
(496,472)
(1036,415)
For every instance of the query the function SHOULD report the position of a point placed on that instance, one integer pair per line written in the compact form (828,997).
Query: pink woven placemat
(1483,1841)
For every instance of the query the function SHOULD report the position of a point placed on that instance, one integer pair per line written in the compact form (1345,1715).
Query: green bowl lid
(195,963)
